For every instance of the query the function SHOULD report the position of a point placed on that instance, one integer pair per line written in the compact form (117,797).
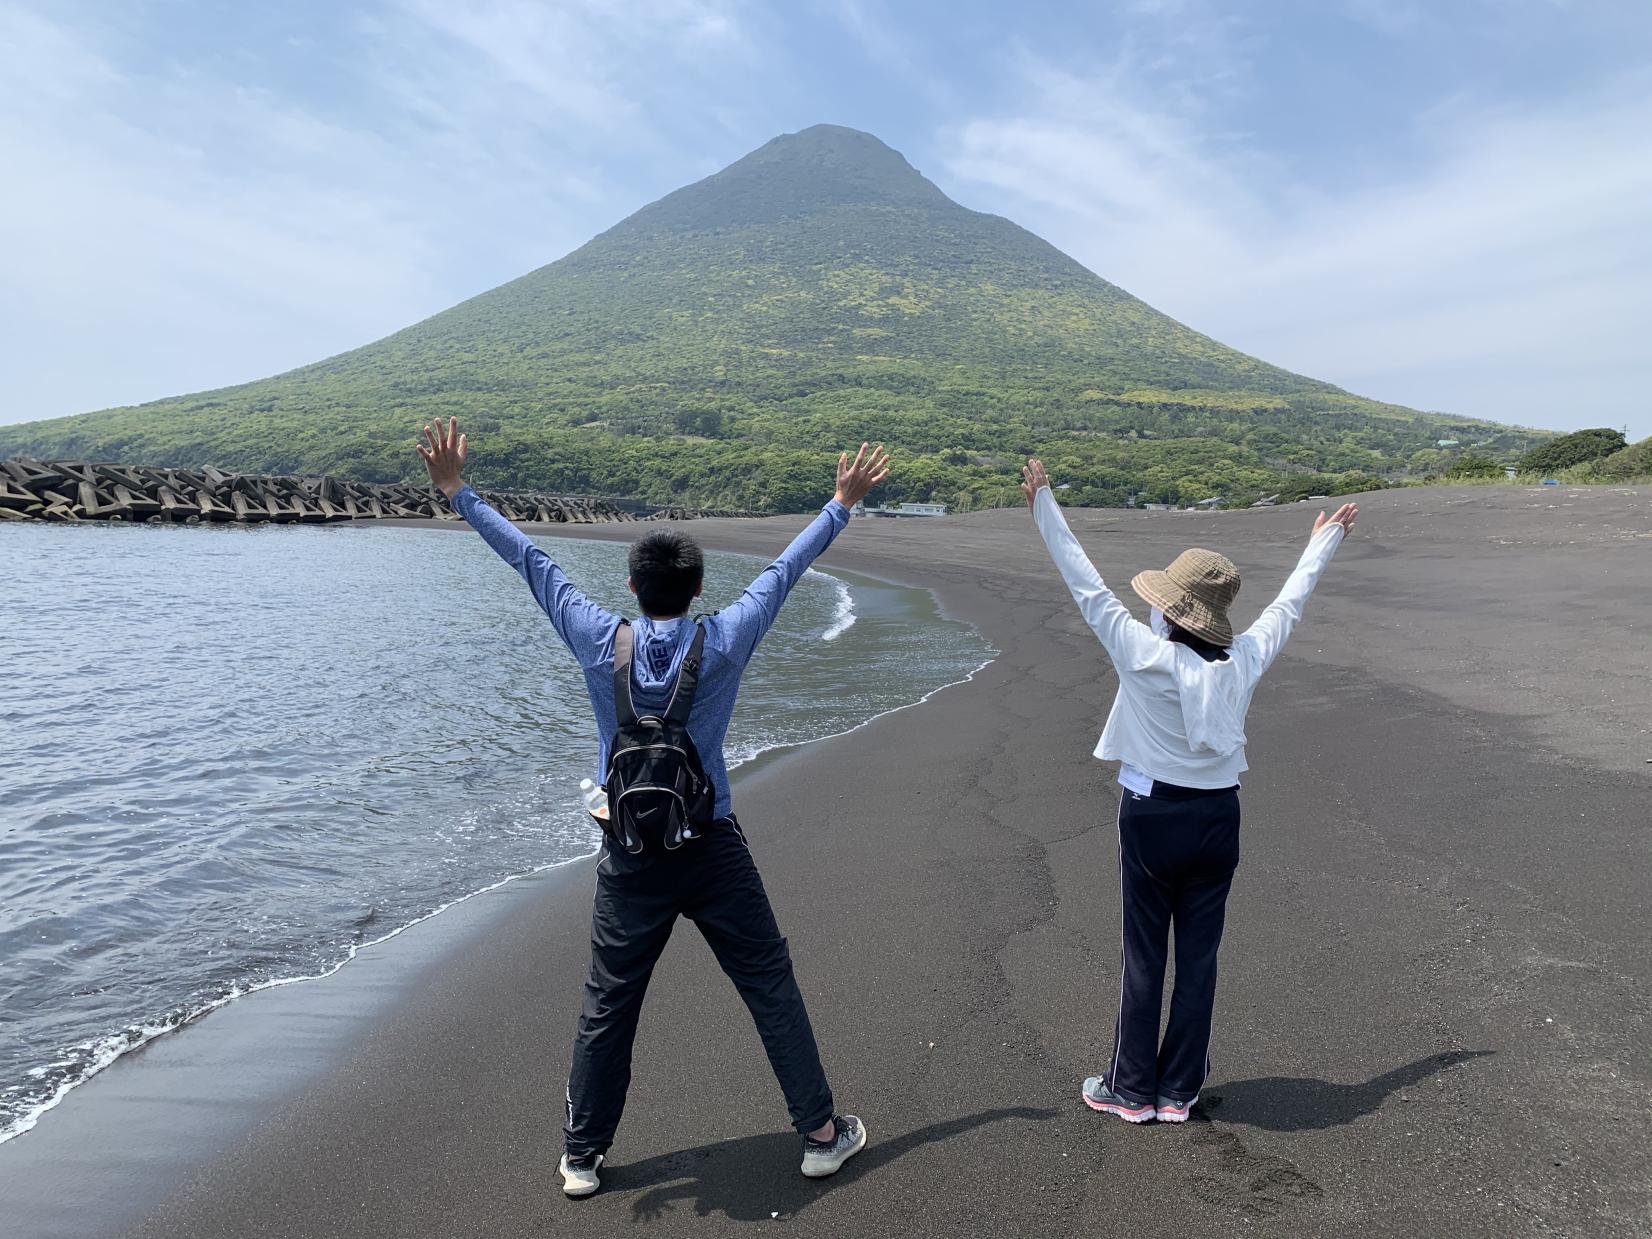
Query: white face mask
(1157,622)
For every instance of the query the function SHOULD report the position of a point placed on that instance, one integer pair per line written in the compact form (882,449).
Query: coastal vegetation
(1576,448)
(1629,464)
(1584,457)
(718,347)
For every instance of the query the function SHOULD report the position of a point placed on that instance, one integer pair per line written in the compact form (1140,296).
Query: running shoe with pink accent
(1099,1097)
(1172,1111)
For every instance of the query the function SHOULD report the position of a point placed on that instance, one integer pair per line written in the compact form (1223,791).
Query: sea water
(234,755)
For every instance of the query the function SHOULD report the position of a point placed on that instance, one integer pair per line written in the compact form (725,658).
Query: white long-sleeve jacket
(1177,718)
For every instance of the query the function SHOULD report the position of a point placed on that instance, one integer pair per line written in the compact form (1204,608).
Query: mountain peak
(840,144)
(814,170)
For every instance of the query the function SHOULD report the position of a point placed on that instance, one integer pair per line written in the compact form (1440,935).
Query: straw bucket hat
(1194,593)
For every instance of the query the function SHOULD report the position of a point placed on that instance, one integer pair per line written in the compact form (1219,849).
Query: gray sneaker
(822,1158)
(579,1175)
(1099,1097)
(1171,1111)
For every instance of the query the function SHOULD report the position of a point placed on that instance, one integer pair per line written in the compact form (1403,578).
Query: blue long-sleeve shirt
(588,630)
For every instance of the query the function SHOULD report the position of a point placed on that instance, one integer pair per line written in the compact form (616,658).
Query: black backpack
(657,788)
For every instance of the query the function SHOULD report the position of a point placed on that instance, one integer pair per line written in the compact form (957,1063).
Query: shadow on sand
(755,1177)
(1289,1103)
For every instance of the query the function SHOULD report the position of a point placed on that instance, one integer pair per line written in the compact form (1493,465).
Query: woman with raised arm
(1177,730)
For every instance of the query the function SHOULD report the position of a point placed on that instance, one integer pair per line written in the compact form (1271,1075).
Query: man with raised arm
(1177,730)
(662,687)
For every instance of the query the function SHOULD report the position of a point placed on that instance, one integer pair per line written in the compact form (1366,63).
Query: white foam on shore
(843,618)
(867,722)
(110,1047)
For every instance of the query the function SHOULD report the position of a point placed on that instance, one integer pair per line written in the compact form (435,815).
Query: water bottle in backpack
(595,798)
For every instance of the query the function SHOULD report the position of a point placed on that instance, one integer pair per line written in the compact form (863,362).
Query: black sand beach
(1434,1016)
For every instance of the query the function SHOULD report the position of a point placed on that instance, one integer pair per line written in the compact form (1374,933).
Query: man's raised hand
(444,459)
(1344,516)
(1033,479)
(855,479)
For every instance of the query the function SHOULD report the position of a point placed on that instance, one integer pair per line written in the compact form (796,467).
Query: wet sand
(1433,1018)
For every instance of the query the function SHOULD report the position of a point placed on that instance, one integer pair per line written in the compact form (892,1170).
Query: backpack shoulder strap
(688,679)
(624,646)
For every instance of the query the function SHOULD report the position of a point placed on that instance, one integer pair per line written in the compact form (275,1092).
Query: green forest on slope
(720,345)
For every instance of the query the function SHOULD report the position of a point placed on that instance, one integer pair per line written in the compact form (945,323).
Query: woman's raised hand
(1033,479)
(1343,516)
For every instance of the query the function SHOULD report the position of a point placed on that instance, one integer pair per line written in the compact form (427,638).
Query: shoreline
(148,1034)
(109,1048)
(1403,931)
(171,1065)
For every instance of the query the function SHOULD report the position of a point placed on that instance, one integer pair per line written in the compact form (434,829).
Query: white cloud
(127,246)
(1510,267)
(174,227)
(1390,17)
(582,63)
(885,45)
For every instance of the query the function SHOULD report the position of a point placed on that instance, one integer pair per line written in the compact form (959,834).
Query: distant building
(1445,443)
(909,509)
(1156,507)
(1215,501)
(1510,472)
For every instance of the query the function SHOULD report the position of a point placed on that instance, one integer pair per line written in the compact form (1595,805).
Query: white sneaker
(580,1178)
(824,1158)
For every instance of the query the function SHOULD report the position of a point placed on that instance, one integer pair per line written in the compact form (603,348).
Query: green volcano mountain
(718,346)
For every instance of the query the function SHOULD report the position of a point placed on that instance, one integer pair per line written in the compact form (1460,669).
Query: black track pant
(714,883)
(1177,854)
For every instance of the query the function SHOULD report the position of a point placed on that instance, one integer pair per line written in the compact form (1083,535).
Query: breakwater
(73,490)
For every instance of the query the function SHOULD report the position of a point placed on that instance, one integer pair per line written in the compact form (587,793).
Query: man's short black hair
(667,567)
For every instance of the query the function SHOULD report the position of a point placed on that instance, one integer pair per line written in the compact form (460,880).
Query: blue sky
(1445,203)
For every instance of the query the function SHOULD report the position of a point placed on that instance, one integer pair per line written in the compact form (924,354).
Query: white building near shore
(903,509)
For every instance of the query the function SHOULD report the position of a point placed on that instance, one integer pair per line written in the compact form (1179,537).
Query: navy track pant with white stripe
(1178,850)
